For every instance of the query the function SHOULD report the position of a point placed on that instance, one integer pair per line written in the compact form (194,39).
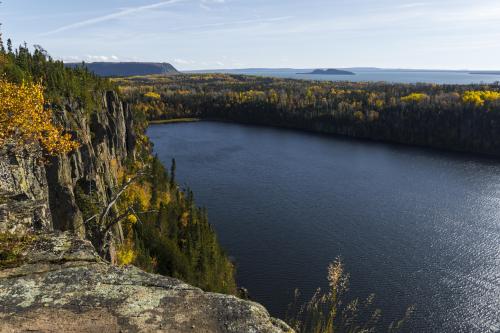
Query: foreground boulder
(57,283)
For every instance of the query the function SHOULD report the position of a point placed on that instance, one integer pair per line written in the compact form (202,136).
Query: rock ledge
(61,285)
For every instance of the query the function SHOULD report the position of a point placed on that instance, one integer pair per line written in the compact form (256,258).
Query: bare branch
(113,201)
(116,220)
(90,219)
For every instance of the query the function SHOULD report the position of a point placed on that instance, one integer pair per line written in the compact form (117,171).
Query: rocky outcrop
(24,205)
(38,194)
(61,285)
(107,138)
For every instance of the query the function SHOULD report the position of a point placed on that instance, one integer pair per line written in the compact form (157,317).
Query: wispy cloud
(91,58)
(412,5)
(104,18)
(181,61)
(231,23)
(473,13)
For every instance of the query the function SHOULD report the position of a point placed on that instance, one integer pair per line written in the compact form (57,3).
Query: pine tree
(2,47)
(172,173)
(9,46)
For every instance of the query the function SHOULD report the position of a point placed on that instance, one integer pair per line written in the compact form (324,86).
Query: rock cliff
(51,278)
(107,137)
(24,203)
(41,196)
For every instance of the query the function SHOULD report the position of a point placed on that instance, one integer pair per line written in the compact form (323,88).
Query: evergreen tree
(2,47)
(172,173)
(9,46)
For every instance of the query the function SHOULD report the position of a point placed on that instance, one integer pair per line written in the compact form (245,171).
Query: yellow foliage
(414,97)
(136,193)
(24,119)
(115,166)
(491,95)
(152,95)
(337,91)
(315,90)
(358,115)
(273,96)
(185,219)
(479,97)
(125,254)
(132,219)
(163,198)
(379,103)
(251,95)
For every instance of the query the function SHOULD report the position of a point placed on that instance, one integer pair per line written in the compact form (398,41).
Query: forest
(452,117)
(163,229)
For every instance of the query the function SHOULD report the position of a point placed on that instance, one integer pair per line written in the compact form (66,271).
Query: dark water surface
(414,226)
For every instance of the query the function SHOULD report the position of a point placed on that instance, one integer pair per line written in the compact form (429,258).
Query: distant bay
(373,75)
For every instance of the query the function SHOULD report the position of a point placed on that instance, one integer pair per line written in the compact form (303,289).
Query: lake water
(388,75)
(414,226)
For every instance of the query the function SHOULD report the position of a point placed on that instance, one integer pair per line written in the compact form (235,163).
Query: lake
(414,226)
(372,74)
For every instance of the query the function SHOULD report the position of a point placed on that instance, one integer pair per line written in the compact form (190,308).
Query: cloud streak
(231,23)
(104,18)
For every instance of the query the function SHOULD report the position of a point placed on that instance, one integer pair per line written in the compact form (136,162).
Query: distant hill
(127,68)
(330,72)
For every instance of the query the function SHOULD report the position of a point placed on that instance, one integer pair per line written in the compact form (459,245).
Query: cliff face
(42,196)
(55,282)
(24,203)
(107,138)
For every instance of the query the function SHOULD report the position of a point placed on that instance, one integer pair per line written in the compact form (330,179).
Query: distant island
(485,73)
(329,71)
(116,69)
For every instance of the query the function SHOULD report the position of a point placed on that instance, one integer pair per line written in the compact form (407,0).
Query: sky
(215,34)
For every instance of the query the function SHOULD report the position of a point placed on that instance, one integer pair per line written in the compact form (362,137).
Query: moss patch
(12,248)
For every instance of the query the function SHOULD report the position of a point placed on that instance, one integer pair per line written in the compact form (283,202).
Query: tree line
(455,117)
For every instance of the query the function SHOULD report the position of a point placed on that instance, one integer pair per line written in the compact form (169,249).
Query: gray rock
(107,137)
(24,205)
(38,194)
(63,286)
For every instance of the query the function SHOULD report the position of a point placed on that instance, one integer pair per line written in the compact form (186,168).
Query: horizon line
(287,68)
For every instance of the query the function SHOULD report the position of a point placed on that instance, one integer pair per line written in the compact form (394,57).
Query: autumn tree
(24,120)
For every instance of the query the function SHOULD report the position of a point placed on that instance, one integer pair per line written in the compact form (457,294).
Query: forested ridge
(151,222)
(453,117)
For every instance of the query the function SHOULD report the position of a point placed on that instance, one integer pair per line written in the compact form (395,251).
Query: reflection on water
(414,226)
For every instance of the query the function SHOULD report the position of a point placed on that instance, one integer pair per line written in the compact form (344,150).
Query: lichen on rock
(61,284)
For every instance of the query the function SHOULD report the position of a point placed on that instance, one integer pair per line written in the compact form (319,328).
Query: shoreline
(315,131)
(173,121)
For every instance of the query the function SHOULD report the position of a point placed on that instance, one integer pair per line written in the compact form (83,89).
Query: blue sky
(203,34)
